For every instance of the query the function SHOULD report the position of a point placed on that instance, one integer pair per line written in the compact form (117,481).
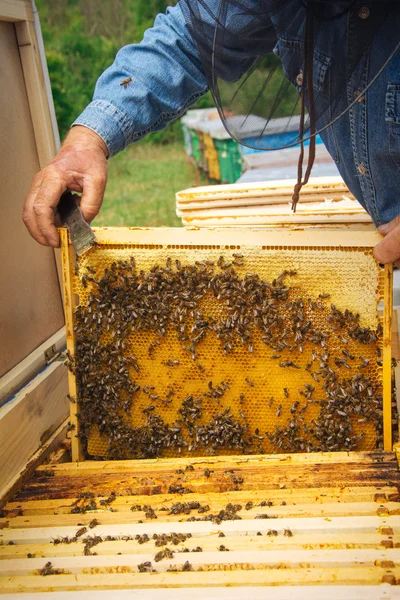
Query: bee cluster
(220,303)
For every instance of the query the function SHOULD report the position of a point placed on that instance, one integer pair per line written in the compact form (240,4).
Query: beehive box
(292,526)
(324,202)
(300,525)
(190,342)
(33,403)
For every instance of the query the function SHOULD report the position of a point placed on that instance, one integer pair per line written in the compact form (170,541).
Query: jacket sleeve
(164,77)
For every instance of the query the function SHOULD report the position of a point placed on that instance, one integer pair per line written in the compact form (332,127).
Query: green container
(230,160)
(187,140)
(196,147)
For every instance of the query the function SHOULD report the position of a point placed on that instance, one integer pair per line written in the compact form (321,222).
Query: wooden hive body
(329,522)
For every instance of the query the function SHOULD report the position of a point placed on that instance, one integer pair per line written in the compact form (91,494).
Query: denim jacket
(166,78)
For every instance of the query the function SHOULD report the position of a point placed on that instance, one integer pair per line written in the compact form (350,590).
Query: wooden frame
(176,237)
(29,419)
(325,201)
(317,186)
(31,365)
(333,521)
(15,10)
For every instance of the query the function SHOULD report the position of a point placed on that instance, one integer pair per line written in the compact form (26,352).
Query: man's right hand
(80,166)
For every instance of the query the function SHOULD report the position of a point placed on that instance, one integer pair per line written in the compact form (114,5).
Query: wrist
(79,135)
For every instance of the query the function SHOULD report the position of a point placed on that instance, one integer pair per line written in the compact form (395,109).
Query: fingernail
(383,228)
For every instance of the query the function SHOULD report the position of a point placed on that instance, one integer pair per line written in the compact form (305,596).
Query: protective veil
(283,71)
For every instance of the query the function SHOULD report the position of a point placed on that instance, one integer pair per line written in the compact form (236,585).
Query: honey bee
(126,82)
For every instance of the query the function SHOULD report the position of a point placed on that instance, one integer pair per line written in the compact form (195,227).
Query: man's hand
(80,166)
(388,250)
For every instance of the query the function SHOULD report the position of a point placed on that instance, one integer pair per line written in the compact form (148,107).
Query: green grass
(142,184)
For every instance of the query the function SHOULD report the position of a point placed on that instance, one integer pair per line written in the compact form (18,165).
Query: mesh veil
(283,71)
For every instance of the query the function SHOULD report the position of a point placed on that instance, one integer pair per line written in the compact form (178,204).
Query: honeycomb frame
(283,249)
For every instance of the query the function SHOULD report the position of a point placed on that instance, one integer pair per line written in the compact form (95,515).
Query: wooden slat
(257,189)
(45,449)
(15,10)
(117,580)
(339,535)
(179,236)
(27,421)
(396,449)
(258,558)
(30,298)
(334,222)
(216,500)
(395,334)
(137,479)
(292,592)
(36,91)
(107,517)
(76,447)
(311,204)
(231,462)
(61,454)
(30,366)
(387,350)
(354,524)
(315,541)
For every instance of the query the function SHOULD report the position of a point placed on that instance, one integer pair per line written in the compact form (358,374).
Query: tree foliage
(81,38)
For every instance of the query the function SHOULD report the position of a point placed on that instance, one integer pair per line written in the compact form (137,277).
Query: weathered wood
(257,559)
(137,479)
(396,449)
(44,450)
(329,539)
(61,454)
(107,517)
(231,462)
(15,10)
(36,91)
(117,580)
(354,524)
(294,499)
(30,298)
(27,421)
(299,541)
(30,366)
(295,496)
(337,535)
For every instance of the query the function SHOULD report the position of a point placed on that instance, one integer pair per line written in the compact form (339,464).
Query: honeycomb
(260,390)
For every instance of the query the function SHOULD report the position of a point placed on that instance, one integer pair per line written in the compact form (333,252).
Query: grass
(142,184)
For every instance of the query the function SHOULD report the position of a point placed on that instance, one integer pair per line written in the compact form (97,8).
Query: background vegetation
(81,39)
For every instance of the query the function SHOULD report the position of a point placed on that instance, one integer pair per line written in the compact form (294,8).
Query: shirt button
(363,13)
(357,96)
(299,78)
(361,169)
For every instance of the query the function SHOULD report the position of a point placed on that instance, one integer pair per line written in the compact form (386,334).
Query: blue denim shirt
(167,78)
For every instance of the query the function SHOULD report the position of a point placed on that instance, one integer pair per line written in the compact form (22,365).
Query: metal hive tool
(261,392)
